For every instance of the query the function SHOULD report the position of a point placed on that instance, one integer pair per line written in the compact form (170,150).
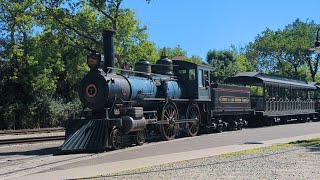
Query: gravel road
(294,162)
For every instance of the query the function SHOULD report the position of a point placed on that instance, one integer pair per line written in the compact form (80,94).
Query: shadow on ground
(43,151)
(312,145)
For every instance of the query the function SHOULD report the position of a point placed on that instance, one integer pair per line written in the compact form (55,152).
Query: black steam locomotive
(175,98)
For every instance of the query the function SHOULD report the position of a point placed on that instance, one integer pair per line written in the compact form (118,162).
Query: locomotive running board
(92,136)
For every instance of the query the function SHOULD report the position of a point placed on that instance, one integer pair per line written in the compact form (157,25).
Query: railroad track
(15,140)
(30,131)
(30,140)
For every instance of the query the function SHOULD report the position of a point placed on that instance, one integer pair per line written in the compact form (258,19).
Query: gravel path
(294,162)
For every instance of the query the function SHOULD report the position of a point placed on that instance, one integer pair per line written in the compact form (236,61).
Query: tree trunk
(295,66)
(313,67)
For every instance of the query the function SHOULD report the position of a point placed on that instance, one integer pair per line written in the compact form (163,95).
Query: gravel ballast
(292,162)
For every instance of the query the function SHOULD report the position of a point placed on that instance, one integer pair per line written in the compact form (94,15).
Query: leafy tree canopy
(285,51)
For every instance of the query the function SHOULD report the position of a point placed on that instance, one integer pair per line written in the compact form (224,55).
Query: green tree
(178,51)
(17,21)
(42,54)
(172,52)
(82,23)
(228,63)
(284,51)
(223,62)
(195,59)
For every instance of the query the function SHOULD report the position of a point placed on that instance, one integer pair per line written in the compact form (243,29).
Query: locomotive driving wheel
(193,112)
(169,115)
(116,139)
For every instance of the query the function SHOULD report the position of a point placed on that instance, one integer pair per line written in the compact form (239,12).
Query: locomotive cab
(195,78)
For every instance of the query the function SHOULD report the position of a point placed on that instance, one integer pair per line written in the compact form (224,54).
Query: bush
(42,112)
(60,112)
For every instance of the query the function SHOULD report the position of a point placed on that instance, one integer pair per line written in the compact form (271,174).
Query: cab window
(206,81)
(192,74)
(200,78)
(182,71)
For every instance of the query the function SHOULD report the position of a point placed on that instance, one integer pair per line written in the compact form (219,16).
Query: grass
(142,168)
(311,142)
(254,150)
(128,171)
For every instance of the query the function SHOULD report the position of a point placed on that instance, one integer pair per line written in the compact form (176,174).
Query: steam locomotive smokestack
(108,50)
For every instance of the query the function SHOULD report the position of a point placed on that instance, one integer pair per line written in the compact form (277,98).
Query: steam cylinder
(129,124)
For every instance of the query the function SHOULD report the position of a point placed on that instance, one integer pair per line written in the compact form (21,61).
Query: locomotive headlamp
(93,60)
(91,90)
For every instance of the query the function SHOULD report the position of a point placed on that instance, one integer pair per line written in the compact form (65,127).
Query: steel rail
(30,140)
(30,131)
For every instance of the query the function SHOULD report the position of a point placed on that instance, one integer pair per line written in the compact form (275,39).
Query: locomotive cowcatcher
(169,98)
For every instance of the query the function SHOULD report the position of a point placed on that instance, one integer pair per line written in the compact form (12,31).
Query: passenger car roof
(256,78)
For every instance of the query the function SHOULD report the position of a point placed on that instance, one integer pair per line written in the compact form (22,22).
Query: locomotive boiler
(101,88)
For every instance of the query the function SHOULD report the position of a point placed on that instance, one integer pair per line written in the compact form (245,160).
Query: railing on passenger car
(273,105)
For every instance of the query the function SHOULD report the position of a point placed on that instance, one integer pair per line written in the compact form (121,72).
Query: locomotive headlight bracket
(91,62)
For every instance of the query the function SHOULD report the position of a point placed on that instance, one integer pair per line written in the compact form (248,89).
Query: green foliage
(256,90)
(145,49)
(286,51)
(171,52)
(131,40)
(41,112)
(223,62)
(82,22)
(44,44)
(227,63)
(178,51)
(195,59)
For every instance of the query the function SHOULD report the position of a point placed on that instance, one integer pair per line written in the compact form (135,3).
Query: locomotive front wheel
(116,139)
(140,138)
(193,112)
(169,115)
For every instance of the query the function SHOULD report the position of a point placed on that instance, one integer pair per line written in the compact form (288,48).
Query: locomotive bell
(143,66)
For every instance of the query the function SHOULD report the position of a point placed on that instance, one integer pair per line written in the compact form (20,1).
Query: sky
(203,25)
